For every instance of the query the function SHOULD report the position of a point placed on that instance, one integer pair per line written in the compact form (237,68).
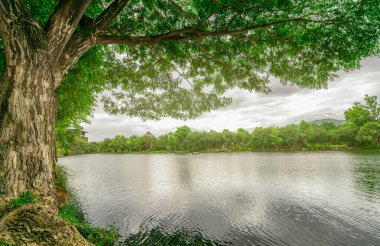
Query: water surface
(292,198)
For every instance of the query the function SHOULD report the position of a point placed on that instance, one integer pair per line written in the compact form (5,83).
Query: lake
(255,198)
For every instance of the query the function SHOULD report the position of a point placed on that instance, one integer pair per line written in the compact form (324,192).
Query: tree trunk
(27,118)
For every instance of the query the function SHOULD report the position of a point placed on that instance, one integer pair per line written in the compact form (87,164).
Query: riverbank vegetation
(360,130)
(72,213)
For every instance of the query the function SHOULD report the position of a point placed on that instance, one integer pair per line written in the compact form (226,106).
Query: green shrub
(71,213)
(60,176)
(97,235)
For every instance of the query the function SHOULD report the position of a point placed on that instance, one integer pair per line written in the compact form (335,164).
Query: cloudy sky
(286,104)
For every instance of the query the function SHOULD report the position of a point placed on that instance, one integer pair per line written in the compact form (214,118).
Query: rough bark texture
(36,224)
(36,61)
(27,114)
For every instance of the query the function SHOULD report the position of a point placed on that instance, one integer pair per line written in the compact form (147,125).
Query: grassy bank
(72,213)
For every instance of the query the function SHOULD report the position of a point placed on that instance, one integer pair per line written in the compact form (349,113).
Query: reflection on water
(367,175)
(295,198)
(182,237)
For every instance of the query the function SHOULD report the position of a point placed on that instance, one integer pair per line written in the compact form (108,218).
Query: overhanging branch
(105,18)
(187,34)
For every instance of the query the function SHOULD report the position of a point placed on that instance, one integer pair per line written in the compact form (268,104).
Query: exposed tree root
(37,224)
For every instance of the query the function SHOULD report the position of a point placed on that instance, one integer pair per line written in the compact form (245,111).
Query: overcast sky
(286,104)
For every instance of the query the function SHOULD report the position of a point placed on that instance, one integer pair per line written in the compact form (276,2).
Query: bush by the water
(71,213)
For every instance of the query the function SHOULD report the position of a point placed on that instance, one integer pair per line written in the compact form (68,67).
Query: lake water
(264,198)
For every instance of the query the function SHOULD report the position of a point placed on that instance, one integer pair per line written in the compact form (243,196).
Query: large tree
(161,58)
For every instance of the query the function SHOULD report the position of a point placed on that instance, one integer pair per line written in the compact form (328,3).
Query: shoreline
(346,149)
(72,212)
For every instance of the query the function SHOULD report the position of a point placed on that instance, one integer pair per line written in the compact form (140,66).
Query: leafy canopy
(177,57)
(360,113)
(365,119)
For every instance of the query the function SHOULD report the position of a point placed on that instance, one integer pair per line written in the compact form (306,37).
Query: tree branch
(105,18)
(184,12)
(63,23)
(174,67)
(231,6)
(187,34)
(77,46)
(84,40)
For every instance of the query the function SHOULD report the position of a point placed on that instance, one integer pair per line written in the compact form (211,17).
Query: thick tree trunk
(27,118)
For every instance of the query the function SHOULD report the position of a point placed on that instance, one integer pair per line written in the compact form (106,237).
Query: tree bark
(27,115)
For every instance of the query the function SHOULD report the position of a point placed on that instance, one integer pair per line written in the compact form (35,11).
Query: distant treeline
(361,130)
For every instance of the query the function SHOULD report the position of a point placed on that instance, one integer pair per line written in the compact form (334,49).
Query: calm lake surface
(265,198)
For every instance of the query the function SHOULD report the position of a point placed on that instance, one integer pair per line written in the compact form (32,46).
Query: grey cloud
(323,113)
(286,104)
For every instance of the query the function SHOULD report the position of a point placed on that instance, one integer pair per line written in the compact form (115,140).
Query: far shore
(339,149)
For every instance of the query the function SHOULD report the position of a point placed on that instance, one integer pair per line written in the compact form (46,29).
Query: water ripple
(324,198)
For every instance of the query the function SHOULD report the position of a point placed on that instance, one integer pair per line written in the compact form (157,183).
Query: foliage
(346,133)
(180,135)
(368,134)
(65,137)
(60,176)
(360,114)
(80,148)
(290,135)
(317,134)
(266,138)
(77,93)
(365,118)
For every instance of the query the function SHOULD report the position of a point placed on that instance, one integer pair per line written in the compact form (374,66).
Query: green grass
(25,198)
(2,243)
